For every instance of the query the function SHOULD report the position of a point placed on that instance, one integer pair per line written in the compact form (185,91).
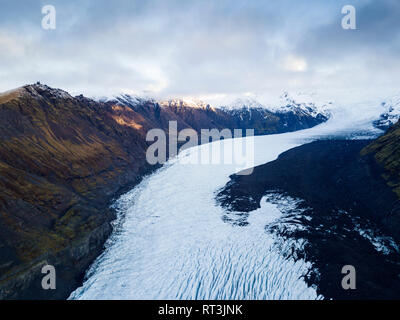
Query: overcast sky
(207,48)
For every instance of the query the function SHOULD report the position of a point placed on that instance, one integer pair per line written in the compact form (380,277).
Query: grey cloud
(175,47)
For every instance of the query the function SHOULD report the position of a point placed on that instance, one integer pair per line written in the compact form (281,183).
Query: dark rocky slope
(62,160)
(386,151)
(350,190)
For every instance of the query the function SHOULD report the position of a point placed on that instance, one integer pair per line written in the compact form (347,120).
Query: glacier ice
(171,243)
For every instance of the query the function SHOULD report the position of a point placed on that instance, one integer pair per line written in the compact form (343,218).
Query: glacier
(170,241)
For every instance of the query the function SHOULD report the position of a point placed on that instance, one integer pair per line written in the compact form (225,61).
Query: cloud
(202,48)
(14,47)
(296,64)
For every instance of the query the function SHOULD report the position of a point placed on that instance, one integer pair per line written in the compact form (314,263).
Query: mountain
(300,104)
(391,114)
(291,115)
(241,114)
(63,159)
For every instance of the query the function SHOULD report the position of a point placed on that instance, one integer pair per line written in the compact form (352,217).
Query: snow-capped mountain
(287,114)
(37,90)
(243,108)
(391,114)
(186,102)
(301,105)
(243,103)
(135,101)
(128,100)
